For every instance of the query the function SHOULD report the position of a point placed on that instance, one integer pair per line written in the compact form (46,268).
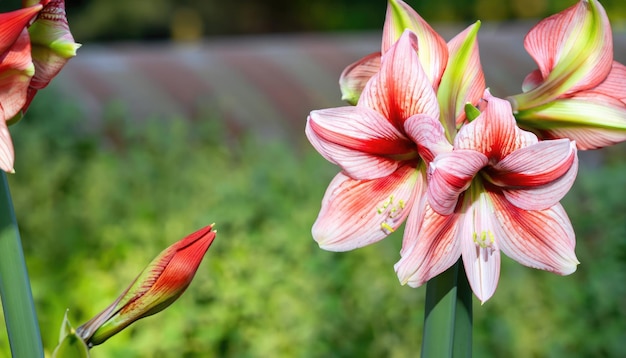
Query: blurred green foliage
(106,20)
(95,206)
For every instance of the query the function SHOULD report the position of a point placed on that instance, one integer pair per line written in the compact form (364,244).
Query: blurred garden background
(177,114)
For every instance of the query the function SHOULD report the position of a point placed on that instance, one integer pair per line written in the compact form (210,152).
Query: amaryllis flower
(498,189)
(16,70)
(381,157)
(52,46)
(157,287)
(577,92)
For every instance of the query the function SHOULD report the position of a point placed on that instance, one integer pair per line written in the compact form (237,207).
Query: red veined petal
(354,77)
(13,23)
(401,88)
(429,136)
(551,184)
(542,239)
(494,132)
(592,119)
(450,174)
(573,49)
(613,84)
(433,51)
(357,213)
(360,140)
(434,247)
(6,148)
(16,70)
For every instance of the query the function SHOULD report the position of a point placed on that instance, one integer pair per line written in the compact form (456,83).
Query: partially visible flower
(16,70)
(577,92)
(31,54)
(382,158)
(158,286)
(52,46)
(498,189)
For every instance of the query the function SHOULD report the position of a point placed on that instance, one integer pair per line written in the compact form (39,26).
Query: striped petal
(463,80)
(542,239)
(533,184)
(592,119)
(429,136)
(360,140)
(433,51)
(357,213)
(478,234)
(450,174)
(355,76)
(13,23)
(574,52)
(495,132)
(431,246)
(401,89)
(6,149)
(16,70)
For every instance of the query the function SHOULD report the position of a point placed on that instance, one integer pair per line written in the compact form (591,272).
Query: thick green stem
(17,299)
(448,315)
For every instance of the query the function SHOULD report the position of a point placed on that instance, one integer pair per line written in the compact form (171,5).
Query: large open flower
(382,158)
(498,189)
(578,90)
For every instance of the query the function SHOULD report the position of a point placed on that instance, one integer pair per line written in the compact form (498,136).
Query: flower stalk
(17,300)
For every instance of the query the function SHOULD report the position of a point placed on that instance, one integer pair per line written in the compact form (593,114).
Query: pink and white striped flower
(498,188)
(578,90)
(382,146)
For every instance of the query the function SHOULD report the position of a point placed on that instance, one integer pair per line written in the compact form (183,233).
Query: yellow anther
(387,227)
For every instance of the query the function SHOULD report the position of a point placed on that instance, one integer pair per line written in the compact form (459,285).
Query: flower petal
(6,149)
(533,184)
(613,84)
(52,42)
(429,136)
(16,70)
(401,88)
(477,235)
(357,213)
(355,76)
(450,175)
(494,133)
(433,51)
(542,239)
(431,246)
(463,80)
(592,119)
(13,23)
(358,139)
(573,49)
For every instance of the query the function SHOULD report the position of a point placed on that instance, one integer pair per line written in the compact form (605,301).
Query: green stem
(448,315)
(17,299)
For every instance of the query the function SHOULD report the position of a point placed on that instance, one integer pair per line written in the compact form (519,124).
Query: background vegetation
(109,20)
(95,207)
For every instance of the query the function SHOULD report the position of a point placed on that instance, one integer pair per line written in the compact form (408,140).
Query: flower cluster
(425,143)
(35,44)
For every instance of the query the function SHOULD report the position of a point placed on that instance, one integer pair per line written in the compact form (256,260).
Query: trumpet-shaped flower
(158,286)
(382,157)
(498,189)
(577,92)
(16,70)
